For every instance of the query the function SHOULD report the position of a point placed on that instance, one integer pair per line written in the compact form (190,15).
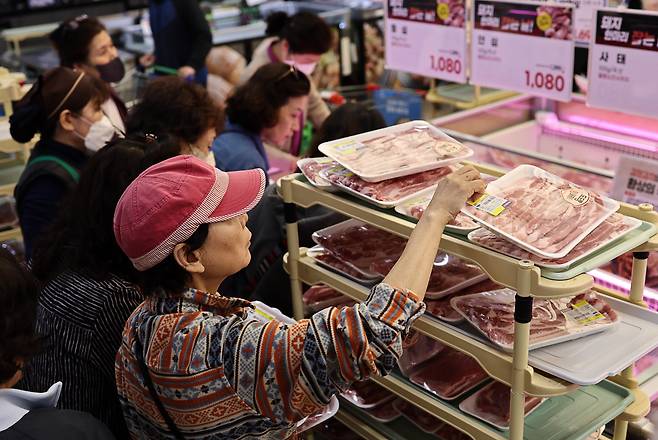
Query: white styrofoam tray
(341,151)
(511,180)
(631,224)
(318,181)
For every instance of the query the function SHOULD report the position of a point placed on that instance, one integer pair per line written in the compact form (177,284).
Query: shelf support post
(522,318)
(292,237)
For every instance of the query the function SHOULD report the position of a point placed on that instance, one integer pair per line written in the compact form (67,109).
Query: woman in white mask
(64,107)
(175,107)
(298,40)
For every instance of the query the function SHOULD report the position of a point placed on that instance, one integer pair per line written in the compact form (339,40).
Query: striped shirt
(81,321)
(221,374)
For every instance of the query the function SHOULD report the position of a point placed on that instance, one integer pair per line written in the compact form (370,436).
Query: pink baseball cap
(166,204)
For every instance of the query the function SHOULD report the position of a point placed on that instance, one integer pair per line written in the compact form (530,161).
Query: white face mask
(306,68)
(100,133)
(207,157)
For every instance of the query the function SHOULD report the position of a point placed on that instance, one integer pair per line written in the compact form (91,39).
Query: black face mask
(111,72)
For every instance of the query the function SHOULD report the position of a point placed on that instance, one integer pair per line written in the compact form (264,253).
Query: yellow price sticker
(490,204)
(443,11)
(544,21)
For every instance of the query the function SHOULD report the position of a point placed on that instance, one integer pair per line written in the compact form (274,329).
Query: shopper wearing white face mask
(64,108)
(298,40)
(175,107)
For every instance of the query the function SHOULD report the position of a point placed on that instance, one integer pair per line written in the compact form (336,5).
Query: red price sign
(446,64)
(526,47)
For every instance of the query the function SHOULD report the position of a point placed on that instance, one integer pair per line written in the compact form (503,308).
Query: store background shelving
(501,269)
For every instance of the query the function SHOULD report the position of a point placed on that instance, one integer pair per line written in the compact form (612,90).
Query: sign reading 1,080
(527,47)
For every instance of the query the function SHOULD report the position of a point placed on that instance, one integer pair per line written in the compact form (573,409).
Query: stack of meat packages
(366,253)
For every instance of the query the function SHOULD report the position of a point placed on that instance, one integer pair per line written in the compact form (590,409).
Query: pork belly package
(491,404)
(414,207)
(540,212)
(553,320)
(311,168)
(396,151)
(387,193)
(330,261)
(611,229)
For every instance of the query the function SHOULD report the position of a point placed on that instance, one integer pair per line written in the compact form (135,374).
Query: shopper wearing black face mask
(83,43)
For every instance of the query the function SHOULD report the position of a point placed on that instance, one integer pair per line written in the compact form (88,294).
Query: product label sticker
(576,196)
(348,148)
(583,313)
(448,148)
(490,204)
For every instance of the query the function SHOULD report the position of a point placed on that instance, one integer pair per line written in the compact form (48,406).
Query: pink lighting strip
(611,126)
(622,285)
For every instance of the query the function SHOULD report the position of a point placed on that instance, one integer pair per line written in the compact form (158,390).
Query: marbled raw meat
(493,314)
(389,190)
(361,244)
(492,404)
(312,169)
(449,374)
(442,309)
(613,227)
(539,215)
(319,297)
(448,432)
(390,153)
(422,419)
(367,394)
(447,272)
(417,348)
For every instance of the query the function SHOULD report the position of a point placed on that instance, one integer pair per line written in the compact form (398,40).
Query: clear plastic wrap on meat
(385,412)
(553,320)
(367,394)
(341,266)
(612,228)
(390,190)
(312,167)
(360,244)
(320,297)
(442,309)
(460,220)
(423,420)
(398,152)
(418,348)
(448,374)
(491,404)
(545,213)
(449,274)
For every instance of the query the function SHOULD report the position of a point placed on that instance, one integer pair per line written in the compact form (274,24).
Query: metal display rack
(523,276)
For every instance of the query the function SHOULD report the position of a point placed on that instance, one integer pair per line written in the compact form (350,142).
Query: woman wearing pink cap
(194,364)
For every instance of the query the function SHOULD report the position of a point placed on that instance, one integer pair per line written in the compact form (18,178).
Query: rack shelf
(496,363)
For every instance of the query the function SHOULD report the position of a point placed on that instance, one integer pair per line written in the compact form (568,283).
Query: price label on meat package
(427,37)
(582,313)
(526,47)
(623,61)
(636,181)
(490,204)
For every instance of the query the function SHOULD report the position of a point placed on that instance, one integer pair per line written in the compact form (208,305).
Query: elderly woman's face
(288,122)
(226,250)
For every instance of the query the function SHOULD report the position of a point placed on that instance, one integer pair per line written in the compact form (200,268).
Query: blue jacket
(237,149)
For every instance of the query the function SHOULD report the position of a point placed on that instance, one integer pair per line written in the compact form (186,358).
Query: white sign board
(623,62)
(636,181)
(526,47)
(427,37)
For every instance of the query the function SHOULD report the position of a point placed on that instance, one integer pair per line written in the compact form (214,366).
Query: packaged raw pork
(449,374)
(449,274)
(611,229)
(311,168)
(417,348)
(442,309)
(367,394)
(386,193)
(491,404)
(360,244)
(330,261)
(540,212)
(428,423)
(385,412)
(553,320)
(396,151)
(320,297)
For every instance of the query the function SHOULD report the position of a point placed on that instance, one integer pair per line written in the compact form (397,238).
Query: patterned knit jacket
(221,374)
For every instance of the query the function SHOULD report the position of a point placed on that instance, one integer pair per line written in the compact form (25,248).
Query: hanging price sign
(526,47)
(623,62)
(636,180)
(427,37)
